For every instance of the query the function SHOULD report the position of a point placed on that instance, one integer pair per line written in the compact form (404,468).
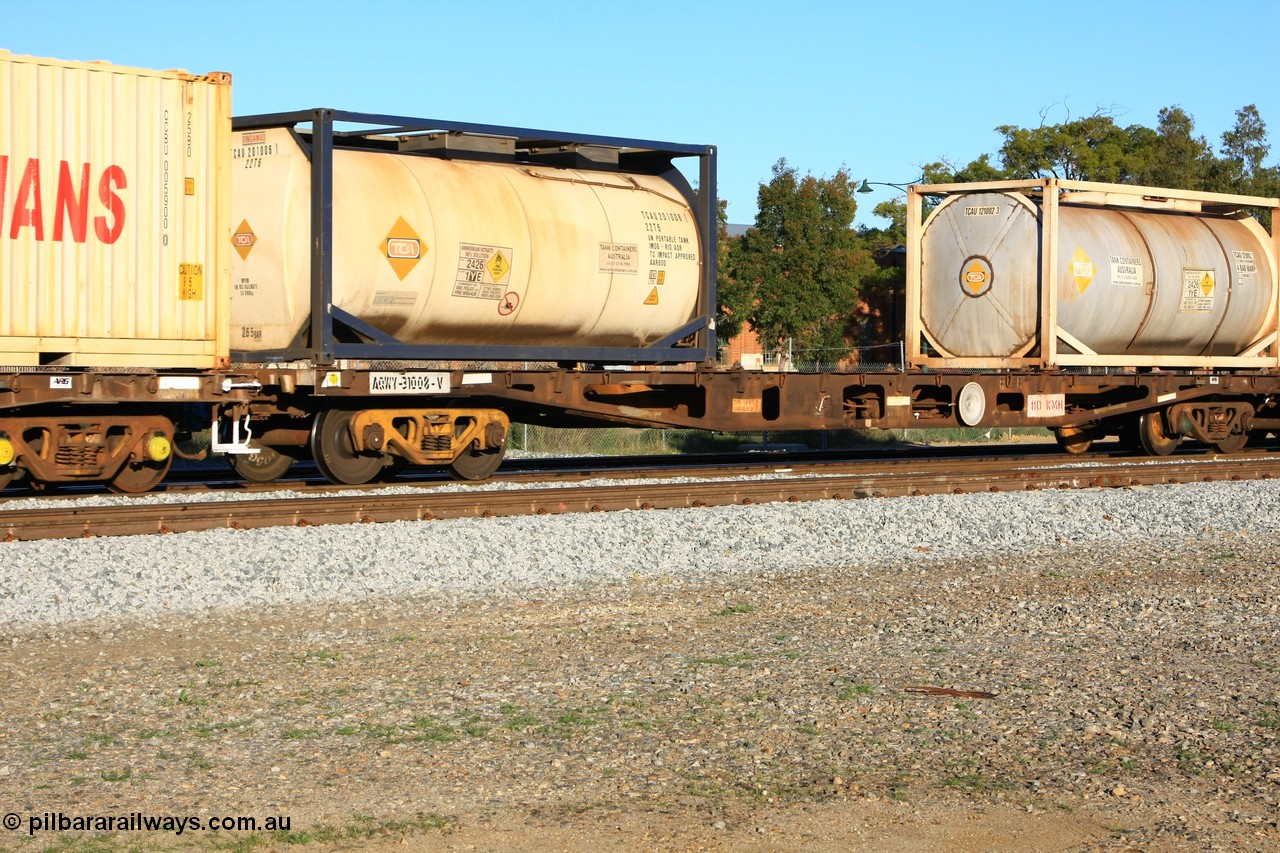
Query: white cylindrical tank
(1128,282)
(454,251)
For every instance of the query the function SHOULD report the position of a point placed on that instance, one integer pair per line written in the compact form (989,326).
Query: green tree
(1093,148)
(1172,155)
(803,262)
(1097,149)
(1241,168)
(733,295)
(1244,147)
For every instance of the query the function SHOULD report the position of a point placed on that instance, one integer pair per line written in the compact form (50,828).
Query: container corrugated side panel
(114,197)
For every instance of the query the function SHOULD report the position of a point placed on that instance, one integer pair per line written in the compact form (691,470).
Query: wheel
(1154,436)
(473,464)
(266,466)
(335,454)
(136,478)
(1074,439)
(1233,443)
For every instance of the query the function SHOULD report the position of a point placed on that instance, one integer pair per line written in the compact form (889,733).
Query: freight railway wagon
(376,291)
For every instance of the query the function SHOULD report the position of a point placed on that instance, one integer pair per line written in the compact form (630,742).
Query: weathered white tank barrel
(1128,281)
(452,251)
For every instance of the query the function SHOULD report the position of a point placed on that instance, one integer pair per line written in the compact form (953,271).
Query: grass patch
(362,827)
(323,655)
(853,692)
(739,659)
(518,719)
(1191,761)
(429,730)
(737,609)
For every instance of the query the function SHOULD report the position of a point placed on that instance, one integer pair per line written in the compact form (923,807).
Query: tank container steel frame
(1046,353)
(322,130)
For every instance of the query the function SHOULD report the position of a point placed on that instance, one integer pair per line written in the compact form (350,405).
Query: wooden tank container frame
(114,207)
(1163,216)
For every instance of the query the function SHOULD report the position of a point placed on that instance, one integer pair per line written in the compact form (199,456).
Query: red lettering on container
(110,233)
(74,204)
(28,194)
(71,202)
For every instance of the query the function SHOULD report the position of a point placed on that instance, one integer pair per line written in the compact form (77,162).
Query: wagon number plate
(409,383)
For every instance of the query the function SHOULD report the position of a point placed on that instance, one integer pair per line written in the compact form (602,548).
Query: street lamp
(867,185)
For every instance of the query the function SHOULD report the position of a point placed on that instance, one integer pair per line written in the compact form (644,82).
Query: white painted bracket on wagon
(236,445)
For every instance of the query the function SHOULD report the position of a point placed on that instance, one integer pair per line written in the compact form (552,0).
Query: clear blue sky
(878,88)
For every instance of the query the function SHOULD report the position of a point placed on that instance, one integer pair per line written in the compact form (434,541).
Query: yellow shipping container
(114,210)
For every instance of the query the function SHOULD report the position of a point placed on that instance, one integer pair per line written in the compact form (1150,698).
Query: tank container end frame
(1263,354)
(324,129)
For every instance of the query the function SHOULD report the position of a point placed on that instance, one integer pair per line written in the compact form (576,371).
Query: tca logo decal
(403,248)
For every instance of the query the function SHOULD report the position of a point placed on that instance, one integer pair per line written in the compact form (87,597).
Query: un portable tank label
(620,258)
(1046,405)
(409,383)
(1197,292)
(1126,271)
(483,271)
(1245,265)
(664,246)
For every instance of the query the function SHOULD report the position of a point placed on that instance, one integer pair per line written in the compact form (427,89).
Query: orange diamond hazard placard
(1082,269)
(402,248)
(244,239)
(975,276)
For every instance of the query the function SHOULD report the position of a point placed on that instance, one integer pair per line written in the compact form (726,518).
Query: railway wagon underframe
(356,433)
(121,428)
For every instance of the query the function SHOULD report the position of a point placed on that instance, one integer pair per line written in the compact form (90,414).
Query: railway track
(747,484)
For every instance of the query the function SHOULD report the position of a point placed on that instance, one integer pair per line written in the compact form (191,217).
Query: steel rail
(920,477)
(304,474)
